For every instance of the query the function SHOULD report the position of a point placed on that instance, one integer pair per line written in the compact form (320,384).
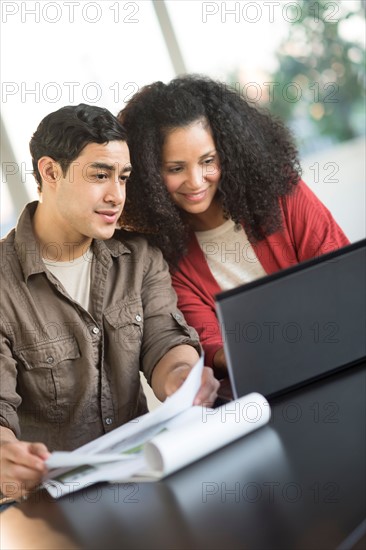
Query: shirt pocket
(47,366)
(126,319)
(46,355)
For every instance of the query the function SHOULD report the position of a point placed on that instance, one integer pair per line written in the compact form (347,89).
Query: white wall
(337,177)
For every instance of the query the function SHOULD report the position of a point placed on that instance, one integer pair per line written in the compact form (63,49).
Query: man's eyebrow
(110,167)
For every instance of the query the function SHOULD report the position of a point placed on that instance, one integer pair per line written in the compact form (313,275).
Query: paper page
(180,400)
(84,476)
(202,431)
(125,450)
(120,440)
(60,459)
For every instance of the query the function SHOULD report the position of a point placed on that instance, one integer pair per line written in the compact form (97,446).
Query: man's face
(89,199)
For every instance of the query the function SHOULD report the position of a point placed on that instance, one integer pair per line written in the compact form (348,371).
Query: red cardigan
(309,230)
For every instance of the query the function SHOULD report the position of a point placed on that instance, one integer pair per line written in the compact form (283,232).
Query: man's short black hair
(63,134)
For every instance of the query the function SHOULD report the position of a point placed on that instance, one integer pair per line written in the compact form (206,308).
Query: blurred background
(303,60)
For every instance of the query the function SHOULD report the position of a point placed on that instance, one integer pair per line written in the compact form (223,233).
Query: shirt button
(50,360)
(177,316)
(138,318)
(95,330)
(108,421)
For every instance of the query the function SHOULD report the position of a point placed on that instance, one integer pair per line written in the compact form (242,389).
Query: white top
(74,275)
(230,256)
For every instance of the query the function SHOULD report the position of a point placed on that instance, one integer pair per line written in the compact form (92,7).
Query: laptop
(296,325)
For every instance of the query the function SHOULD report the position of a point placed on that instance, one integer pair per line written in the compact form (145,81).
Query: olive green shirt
(68,376)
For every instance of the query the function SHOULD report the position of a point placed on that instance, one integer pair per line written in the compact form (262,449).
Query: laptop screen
(296,325)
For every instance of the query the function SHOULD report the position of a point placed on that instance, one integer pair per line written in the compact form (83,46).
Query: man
(83,306)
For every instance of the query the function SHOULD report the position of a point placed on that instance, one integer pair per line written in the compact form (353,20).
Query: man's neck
(57,245)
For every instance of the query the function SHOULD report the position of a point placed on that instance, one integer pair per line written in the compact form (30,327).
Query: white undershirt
(230,256)
(74,276)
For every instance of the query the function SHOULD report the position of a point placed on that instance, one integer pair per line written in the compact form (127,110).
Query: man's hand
(22,465)
(172,370)
(209,385)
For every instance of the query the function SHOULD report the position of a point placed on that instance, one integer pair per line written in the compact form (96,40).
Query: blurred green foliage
(319,86)
(322,75)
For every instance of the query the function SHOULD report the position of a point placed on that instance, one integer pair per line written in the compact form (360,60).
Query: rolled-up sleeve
(164,325)
(9,398)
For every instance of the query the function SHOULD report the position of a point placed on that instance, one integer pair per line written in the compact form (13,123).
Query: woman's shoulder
(302,200)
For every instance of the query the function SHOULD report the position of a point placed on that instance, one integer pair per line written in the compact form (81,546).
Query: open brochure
(157,443)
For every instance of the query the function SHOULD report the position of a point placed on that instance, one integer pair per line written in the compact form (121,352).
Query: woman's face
(191,168)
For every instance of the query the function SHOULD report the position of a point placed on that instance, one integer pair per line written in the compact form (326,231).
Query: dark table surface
(297,483)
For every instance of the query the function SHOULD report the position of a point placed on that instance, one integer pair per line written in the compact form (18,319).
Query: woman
(216,186)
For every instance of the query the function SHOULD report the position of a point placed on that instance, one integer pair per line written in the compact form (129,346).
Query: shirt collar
(29,250)
(27,247)
(115,245)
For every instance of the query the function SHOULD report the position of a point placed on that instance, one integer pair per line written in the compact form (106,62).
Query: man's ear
(50,171)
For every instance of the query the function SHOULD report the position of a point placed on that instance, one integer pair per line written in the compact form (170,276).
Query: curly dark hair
(259,161)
